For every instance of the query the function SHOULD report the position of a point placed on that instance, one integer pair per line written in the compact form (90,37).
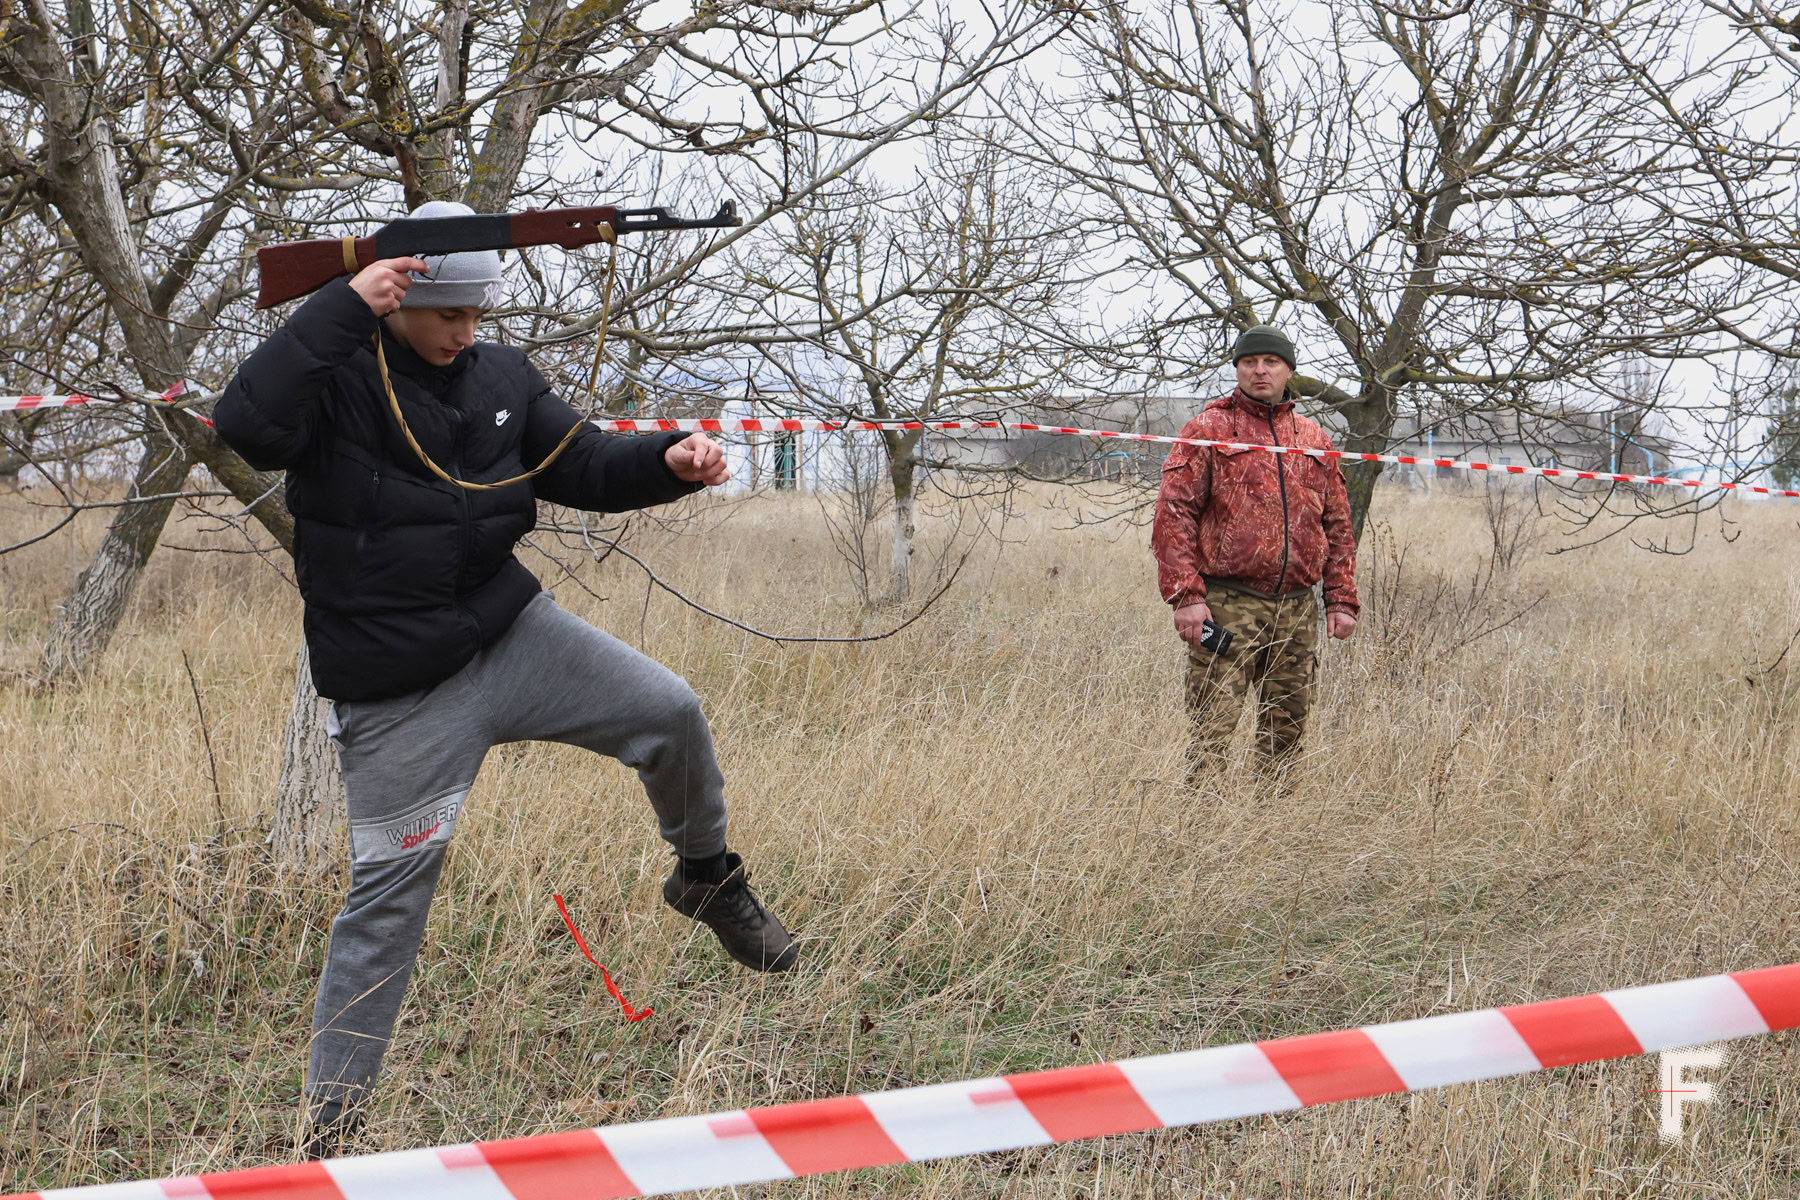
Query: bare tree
(175,140)
(951,294)
(1747,209)
(1468,202)
(101,96)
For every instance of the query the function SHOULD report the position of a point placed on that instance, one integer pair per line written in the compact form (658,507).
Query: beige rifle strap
(612,262)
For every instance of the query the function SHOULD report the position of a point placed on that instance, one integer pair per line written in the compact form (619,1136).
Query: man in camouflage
(1241,537)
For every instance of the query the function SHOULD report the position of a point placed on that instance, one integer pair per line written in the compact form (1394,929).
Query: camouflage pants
(1276,647)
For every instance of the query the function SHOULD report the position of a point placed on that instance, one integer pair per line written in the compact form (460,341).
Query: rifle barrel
(645,220)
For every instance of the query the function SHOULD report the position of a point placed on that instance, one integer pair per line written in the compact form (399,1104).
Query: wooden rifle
(293,269)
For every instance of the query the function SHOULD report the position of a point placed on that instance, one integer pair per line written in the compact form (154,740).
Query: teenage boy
(434,642)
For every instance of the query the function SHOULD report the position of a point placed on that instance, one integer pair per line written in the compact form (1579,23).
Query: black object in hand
(1216,638)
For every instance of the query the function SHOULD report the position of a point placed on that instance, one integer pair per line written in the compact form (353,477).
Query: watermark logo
(1677,1091)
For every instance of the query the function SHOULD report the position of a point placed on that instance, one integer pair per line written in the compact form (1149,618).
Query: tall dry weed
(978,827)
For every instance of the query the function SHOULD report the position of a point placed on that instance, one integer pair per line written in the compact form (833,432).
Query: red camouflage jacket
(1275,523)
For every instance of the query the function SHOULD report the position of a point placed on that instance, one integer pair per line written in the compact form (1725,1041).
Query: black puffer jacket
(405,576)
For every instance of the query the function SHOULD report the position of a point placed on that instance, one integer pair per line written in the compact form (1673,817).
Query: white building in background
(758,461)
(842,460)
(808,461)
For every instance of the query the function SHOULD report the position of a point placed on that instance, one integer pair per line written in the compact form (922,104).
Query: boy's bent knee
(679,705)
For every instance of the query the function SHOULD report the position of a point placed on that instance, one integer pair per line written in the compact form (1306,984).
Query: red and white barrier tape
(984,1115)
(795,425)
(798,425)
(27,403)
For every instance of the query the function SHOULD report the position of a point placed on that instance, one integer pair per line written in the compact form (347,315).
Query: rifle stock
(292,269)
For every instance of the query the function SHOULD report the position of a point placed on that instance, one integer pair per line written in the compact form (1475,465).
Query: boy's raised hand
(383,284)
(698,459)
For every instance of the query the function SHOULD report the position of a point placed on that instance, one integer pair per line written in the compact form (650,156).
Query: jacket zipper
(1281,484)
(468,518)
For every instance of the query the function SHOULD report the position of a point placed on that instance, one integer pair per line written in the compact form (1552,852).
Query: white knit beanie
(466,279)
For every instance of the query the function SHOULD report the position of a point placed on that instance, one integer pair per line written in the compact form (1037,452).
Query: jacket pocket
(365,469)
(1243,467)
(1309,472)
(346,490)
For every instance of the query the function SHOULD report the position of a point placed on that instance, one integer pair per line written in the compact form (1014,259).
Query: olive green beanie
(1264,339)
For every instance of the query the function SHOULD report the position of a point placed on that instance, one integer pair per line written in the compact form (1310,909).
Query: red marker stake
(631,1014)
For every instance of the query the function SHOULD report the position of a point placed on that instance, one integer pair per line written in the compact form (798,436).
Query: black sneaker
(331,1131)
(748,931)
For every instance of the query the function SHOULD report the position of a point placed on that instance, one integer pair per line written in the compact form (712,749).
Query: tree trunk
(85,623)
(1359,481)
(311,814)
(900,470)
(259,491)
(1371,424)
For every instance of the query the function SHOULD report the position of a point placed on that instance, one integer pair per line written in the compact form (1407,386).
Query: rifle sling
(612,261)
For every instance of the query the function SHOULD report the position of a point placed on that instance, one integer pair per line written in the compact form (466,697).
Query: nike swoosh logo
(500,417)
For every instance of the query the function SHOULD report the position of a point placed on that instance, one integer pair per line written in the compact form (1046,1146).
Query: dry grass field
(980,830)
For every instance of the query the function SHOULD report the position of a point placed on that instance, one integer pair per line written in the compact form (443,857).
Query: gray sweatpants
(410,761)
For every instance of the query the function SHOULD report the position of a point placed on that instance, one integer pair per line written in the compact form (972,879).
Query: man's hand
(698,459)
(1340,625)
(383,284)
(1190,622)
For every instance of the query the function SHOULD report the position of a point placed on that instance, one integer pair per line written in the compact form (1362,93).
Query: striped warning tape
(1003,1113)
(73,399)
(796,425)
(799,425)
(27,403)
